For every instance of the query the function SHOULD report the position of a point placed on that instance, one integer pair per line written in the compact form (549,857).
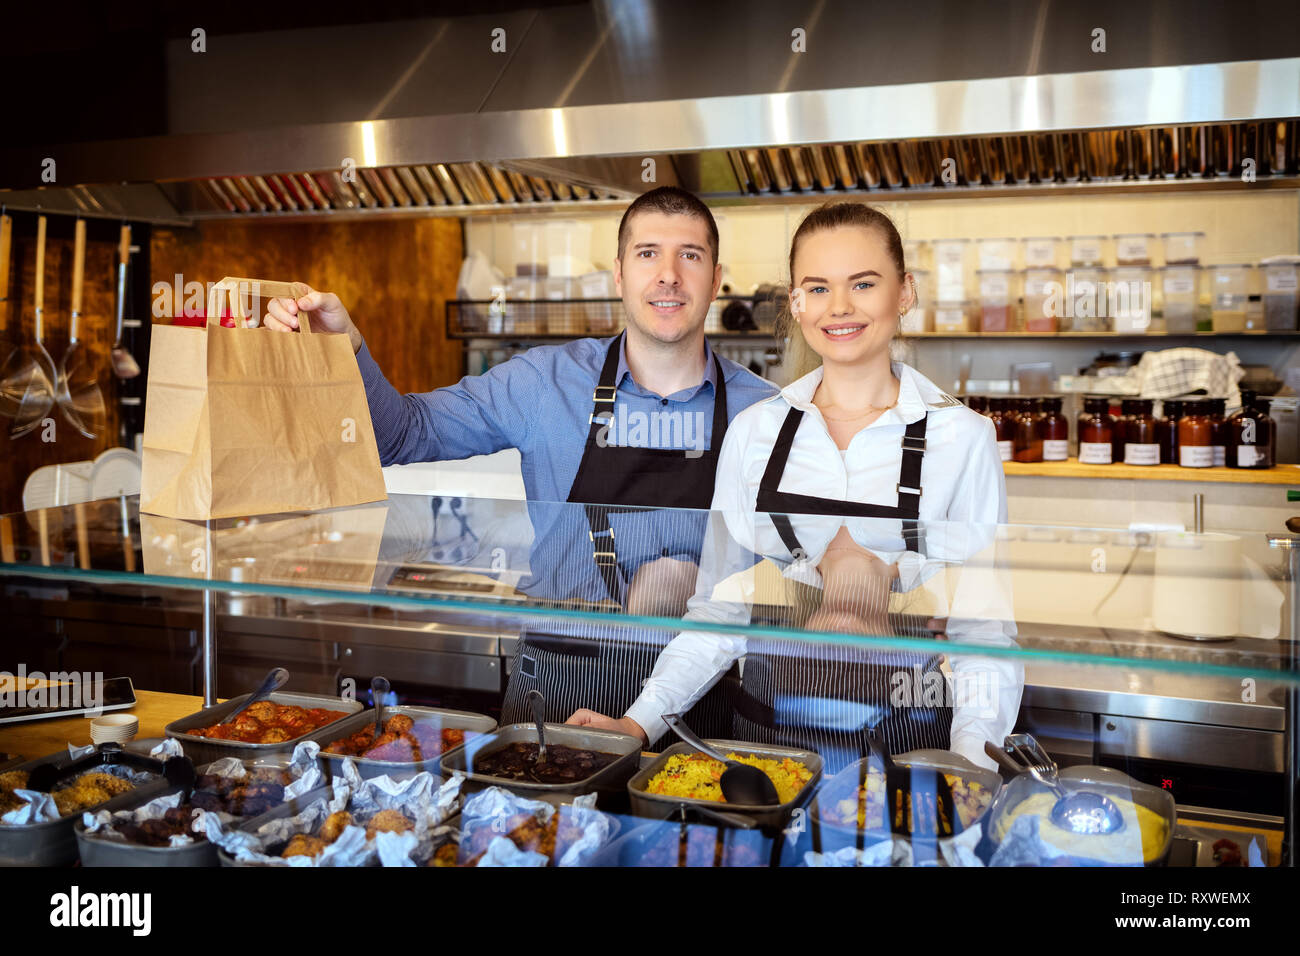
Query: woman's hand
(624,725)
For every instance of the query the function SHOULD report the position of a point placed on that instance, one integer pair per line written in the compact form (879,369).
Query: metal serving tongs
(275,678)
(1082,811)
(378,691)
(538,704)
(934,812)
(178,771)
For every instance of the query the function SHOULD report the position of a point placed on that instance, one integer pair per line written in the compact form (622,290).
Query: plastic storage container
(1086,301)
(1182,248)
(1129,300)
(951,262)
(1181,286)
(952,317)
(1228,293)
(996,253)
(1040,252)
(1280,277)
(1134,248)
(996,300)
(1086,250)
(1044,298)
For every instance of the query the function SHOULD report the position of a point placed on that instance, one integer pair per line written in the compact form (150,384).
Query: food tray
(287,809)
(53,843)
(203,750)
(610,778)
(455,829)
(631,847)
(367,767)
(829,837)
(95,851)
(1105,780)
(659,805)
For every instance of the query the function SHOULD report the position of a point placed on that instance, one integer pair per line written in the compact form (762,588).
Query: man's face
(667,276)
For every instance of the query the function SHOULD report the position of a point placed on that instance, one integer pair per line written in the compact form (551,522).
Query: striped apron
(603,667)
(823,697)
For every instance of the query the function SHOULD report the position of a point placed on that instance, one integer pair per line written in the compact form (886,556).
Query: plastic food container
(659,805)
(599,315)
(1086,301)
(996,303)
(996,253)
(1228,294)
(1121,848)
(203,750)
(919,319)
(1134,248)
(952,317)
(1181,286)
(1086,250)
(951,261)
(1281,293)
(609,778)
(1129,299)
(1182,248)
(368,767)
(1040,252)
(1044,297)
(660,844)
(916,254)
(831,836)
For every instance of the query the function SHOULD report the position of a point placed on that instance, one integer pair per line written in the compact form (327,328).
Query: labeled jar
(1085,301)
(1040,252)
(1219,435)
(1086,250)
(978,403)
(1054,430)
(1252,435)
(951,262)
(1141,446)
(952,317)
(1044,296)
(1182,248)
(1134,248)
(1228,296)
(1167,430)
(1181,287)
(1118,434)
(996,254)
(1281,293)
(1196,435)
(1028,443)
(1128,300)
(995,300)
(1004,425)
(1095,435)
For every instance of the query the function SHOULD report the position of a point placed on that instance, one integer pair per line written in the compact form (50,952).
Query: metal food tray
(397,769)
(287,809)
(659,805)
(1105,780)
(204,750)
(457,823)
(828,837)
(609,778)
(53,843)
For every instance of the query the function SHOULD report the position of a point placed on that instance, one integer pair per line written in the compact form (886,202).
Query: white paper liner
(496,805)
(41,808)
(100,824)
(898,851)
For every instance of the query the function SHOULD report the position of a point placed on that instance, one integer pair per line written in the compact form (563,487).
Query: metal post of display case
(209,636)
(1291,739)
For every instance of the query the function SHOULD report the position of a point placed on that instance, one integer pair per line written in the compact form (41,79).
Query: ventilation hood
(589,104)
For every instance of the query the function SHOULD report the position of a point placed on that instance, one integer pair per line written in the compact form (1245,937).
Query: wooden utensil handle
(78,265)
(124,246)
(6,234)
(40,263)
(232,287)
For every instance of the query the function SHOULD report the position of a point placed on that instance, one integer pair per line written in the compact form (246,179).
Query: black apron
(824,696)
(604,668)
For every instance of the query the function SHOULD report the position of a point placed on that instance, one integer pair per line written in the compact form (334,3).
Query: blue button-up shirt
(540,402)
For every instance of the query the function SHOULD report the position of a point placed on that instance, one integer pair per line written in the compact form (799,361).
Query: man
(572,411)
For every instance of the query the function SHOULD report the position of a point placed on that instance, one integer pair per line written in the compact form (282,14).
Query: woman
(838,479)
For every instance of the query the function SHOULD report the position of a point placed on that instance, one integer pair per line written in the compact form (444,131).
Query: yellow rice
(696,776)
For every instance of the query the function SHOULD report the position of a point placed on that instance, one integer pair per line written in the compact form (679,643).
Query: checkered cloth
(1170,373)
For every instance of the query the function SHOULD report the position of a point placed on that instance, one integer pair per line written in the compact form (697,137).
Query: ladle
(77,387)
(741,784)
(1082,811)
(124,363)
(29,390)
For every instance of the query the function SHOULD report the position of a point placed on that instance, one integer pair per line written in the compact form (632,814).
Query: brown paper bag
(247,421)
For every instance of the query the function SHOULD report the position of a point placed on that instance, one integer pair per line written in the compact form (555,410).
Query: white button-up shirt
(956,575)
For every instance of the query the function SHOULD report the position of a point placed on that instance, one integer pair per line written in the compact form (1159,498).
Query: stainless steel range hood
(430,121)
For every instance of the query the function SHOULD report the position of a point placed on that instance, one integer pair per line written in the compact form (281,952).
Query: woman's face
(847,294)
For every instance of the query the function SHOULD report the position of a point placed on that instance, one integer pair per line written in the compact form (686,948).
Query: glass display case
(1158,671)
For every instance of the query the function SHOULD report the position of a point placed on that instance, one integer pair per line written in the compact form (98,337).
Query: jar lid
(1168,235)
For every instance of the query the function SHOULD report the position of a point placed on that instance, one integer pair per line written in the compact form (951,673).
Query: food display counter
(1157,671)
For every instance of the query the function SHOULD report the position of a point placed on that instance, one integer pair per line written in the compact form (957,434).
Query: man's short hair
(673,202)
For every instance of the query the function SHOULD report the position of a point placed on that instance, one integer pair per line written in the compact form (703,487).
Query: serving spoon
(378,692)
(741,783)
(275,678)
(1083,811)
(538,703)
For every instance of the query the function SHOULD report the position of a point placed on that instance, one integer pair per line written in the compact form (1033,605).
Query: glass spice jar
(1119,429)
(1054,430)
(1196,435)
(1004,425)
(1167,430)
(978,403)
(1095,447)
(1252,435)
(1028,442)
(1219,422)
(1140,444)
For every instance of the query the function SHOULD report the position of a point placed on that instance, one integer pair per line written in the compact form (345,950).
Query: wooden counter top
(1279,475)
(155,711)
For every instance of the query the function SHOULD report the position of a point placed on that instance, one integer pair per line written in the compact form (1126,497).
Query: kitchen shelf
(566,319)
(1279,475)
(1094,336)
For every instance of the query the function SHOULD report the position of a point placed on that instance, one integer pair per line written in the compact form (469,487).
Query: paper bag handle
(232,286)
